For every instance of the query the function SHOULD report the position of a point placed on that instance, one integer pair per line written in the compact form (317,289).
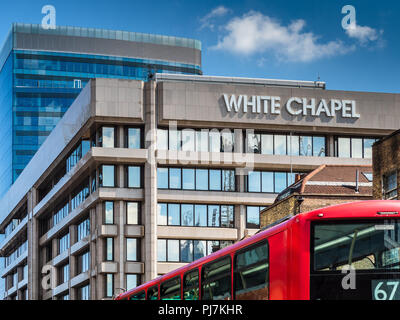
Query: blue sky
(268,39)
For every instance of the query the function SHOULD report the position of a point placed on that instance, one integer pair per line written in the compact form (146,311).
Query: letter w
(232,102)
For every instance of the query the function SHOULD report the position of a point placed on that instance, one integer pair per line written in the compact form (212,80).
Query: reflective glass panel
(215,180)
(162,214)
(254,181)
(175,178)
(213,215)
(162,178)
(188,179)
(200,215)
(356,148)
(134,138)
(187,214)
(201,179)
(174,214)
(306,146)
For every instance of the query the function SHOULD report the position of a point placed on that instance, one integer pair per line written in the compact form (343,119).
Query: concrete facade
(53,265)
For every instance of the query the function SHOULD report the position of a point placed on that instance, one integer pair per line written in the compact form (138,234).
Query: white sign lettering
(295,106)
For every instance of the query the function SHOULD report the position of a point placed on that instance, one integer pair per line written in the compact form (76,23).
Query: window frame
(243,250)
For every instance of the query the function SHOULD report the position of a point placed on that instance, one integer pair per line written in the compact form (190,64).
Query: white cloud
(363,34)
(256,33)
(206,21)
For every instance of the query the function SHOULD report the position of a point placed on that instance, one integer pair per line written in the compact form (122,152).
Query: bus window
(171,289)
(216,280)
(152,293)
(138,296)
(251,273)
(191,285)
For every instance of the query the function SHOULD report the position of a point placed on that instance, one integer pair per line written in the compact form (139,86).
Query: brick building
(385,165)
(325,186)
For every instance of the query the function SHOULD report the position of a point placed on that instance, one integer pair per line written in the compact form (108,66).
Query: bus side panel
(278,262)
(299,260)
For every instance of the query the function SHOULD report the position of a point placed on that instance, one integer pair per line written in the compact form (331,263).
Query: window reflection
(134,139)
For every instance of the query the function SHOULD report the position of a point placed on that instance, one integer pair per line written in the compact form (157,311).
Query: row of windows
(197,215)
(248,272)
(204,140)
(16,254)
(267,181)
(95,66)
(76,155)
(107,176)
(132,212)
(196,179)
(281,144)
(132,281)
(108,138)
(83,229)
(170,250)
(83,265)
(132,249)
(354,147)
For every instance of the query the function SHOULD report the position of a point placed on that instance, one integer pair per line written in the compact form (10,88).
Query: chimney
(357,189)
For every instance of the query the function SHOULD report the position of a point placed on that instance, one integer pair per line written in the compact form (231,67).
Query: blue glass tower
(42,72)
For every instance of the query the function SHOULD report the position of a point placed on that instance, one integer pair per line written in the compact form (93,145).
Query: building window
(173,214)
(204,140)
(61,212)
(83,262)
(134,138)
(109,212)
(63,243)
(107,176)
(64,297)
(77,154)
(63,274)
(132,249)
(253,217)
(132,212)
(83,229)
(354,147)
(278,144)
(107,137)
(390,186)
(196,179)
(134,177)
(171,250)
(77,84)
(84,292)
(271,182)
(109,285)
(80,194)
(109,249)
(132,281)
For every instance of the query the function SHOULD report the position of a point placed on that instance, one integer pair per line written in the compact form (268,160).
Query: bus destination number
(385,289)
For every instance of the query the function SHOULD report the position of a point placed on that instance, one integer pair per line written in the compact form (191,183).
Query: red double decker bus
(348,251)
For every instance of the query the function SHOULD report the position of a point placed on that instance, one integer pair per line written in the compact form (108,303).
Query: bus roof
(354,210)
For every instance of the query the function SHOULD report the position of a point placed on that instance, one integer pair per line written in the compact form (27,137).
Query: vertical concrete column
(240,220)
(33,248)
(120,243)
(95,215)
(149,248)
(98,255)
(73,234)
(330,146)
(121,137)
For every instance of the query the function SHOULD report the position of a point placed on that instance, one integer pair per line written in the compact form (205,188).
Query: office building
(42,71)
(141,177)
